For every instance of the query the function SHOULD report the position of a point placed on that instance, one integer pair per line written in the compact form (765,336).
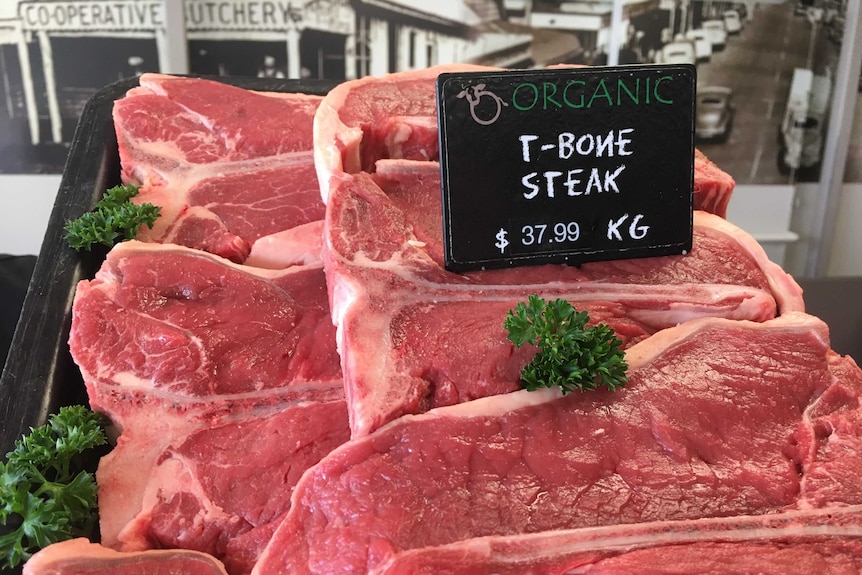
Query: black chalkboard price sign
(566,165)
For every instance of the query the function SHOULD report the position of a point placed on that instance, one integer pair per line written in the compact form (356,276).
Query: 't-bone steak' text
(568,145)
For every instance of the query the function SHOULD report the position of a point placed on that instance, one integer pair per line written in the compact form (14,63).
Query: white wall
(765,212)
(846,254)
(26,202)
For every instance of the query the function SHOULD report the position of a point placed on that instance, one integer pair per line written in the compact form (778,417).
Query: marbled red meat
(182,324)
(717,420)
(80,557)
(412,337)
(225,382)
(713,187)
(395,117)
(823,541)
(226,165)
(187,352)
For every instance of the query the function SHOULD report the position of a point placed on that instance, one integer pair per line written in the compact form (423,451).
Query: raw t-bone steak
(181,324)
(414,336)
(225,382)
(395,117)
(81,557)
(720,418)
(218,487)
(823,541)
(227,166)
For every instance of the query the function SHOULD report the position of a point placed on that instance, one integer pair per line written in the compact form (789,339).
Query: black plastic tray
(39,376)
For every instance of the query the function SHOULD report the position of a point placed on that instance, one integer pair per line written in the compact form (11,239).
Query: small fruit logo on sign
(474,95)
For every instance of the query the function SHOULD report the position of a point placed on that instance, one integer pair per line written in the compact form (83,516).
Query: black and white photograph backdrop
(53,57)
(779,102)
(774,62)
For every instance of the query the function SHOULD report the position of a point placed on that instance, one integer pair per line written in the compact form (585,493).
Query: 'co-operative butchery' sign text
(69,16)
(566,165)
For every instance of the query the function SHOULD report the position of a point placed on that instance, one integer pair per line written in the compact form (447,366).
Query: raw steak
(176,323)
(394,217)
(187,352)
(227,165)
(393,301)
(395,117)
(223,481)
(823,541)
(364,120)
(713,187)
(414,336)
(80,557)
(720,418)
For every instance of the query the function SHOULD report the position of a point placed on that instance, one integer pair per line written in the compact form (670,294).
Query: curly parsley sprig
(572,355)
(45,494)
(114,219)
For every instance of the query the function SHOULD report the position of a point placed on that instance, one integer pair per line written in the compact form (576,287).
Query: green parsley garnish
(45,494)
(114,219)
(572,355)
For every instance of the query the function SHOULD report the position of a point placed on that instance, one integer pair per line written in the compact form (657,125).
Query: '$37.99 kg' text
(566,233)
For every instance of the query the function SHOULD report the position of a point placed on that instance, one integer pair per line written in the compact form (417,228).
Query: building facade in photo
(345,39)
(56,54)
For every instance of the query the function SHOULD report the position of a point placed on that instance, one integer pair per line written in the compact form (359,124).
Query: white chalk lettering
(613,228)
(638,232)
(525,146)
(550,176)
(594,182)
(621,142)
(571,182)
(610,179)
(569,146)
(565,143)
(607,145)
(530,185)
(585,145)
(585,149)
